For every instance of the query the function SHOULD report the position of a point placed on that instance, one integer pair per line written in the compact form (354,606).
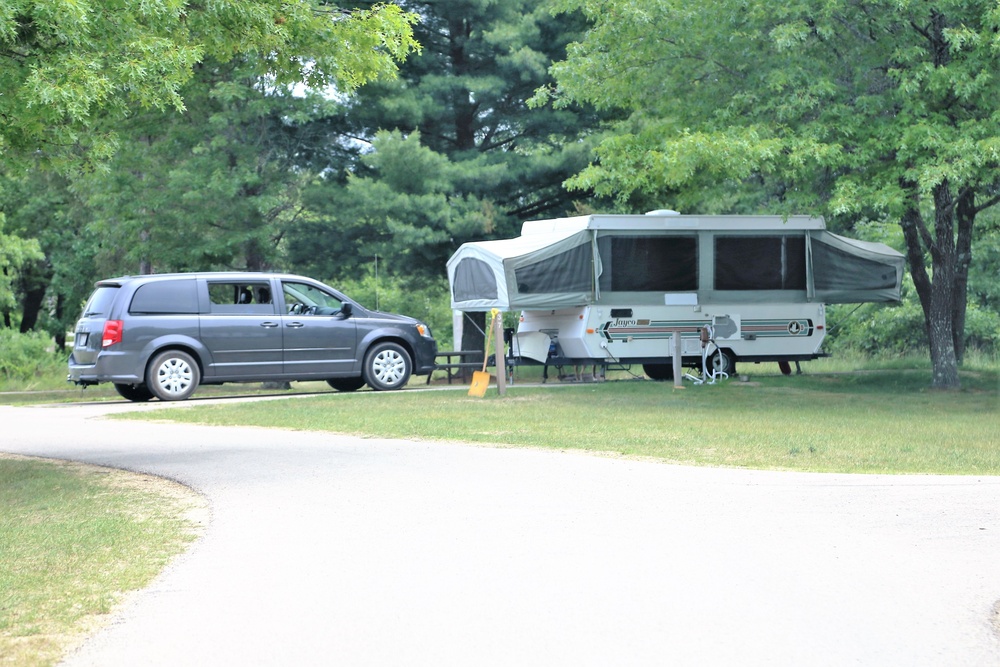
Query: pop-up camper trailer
(612,289)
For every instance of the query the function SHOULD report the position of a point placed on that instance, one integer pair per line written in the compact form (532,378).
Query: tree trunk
(145,265)
(31,307)
(465,108)
(966,218)
(937,295)
(35,280)
(61,334)
(912,225)
(941,331)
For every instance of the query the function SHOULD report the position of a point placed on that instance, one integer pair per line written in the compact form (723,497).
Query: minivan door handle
(295,325)
(269,325)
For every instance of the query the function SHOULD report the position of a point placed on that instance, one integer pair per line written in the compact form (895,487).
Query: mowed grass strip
(73,540)
(881,422)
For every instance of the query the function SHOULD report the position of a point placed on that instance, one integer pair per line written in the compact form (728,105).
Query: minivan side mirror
(346,309)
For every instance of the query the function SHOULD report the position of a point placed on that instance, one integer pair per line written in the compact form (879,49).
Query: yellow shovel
(481,379)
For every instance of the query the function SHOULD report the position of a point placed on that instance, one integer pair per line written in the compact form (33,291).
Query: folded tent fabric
(558,263)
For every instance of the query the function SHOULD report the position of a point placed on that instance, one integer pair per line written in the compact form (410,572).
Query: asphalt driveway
(331,550)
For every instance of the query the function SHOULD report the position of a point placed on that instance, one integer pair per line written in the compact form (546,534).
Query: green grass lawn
(73,540)
(885,421)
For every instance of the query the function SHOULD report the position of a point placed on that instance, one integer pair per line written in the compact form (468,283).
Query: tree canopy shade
(860,109)
(64,63)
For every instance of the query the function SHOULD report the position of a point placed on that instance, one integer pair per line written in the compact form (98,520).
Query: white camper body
(614,289)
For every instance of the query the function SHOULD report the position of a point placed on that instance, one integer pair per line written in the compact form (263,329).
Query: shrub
(24,357)
(876,330)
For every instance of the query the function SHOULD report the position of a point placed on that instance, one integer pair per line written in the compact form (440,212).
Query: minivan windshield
(100,301)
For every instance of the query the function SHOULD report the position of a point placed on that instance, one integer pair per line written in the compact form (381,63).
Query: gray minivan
(163,335)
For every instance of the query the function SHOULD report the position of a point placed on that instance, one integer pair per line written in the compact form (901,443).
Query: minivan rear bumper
(109,367)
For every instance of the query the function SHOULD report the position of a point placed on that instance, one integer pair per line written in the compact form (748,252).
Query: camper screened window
(760,263)
(569,271)
(649,263)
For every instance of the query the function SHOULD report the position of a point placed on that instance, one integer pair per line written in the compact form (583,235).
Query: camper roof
(663,220)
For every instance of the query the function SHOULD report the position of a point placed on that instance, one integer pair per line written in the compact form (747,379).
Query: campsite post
(500,356)
(678,378)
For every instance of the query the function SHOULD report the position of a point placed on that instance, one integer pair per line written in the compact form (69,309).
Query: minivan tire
(387,366)
(172,375)
(346,384)
(137,393)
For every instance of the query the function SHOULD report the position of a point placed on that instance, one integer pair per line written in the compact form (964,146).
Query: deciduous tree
(64,64)
(861,109)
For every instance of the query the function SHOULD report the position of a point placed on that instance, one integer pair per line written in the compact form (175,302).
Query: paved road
(332,550)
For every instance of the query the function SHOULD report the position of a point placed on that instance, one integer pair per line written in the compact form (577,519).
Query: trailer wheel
(722,361)
(659,372)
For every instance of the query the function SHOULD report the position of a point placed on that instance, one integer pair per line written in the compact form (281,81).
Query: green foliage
(67,63)
(455,155)
(984,286)
(898,331)
(15,253)
(407,209)
(52,285)
(25,357)
(213,188)
(814,101)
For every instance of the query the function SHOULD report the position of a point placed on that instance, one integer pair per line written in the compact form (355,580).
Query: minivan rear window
(100,301)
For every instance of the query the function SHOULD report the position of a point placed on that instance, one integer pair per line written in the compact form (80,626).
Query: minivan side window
(168,297)
(249,298)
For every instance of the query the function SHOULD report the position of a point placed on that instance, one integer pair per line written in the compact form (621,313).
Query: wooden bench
(450,366)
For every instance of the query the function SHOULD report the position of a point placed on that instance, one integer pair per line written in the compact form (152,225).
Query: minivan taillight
(112,333)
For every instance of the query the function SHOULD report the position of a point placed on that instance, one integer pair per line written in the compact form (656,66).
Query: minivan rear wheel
(138,393)
(173,375)
(387,366)
(346,384)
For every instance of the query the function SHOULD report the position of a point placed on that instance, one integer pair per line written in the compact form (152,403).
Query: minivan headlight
(424,330)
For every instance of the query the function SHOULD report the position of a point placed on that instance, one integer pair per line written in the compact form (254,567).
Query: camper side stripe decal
(653,330)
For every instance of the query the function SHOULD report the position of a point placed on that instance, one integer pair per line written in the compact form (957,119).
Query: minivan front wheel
(173,375)
(387,366)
